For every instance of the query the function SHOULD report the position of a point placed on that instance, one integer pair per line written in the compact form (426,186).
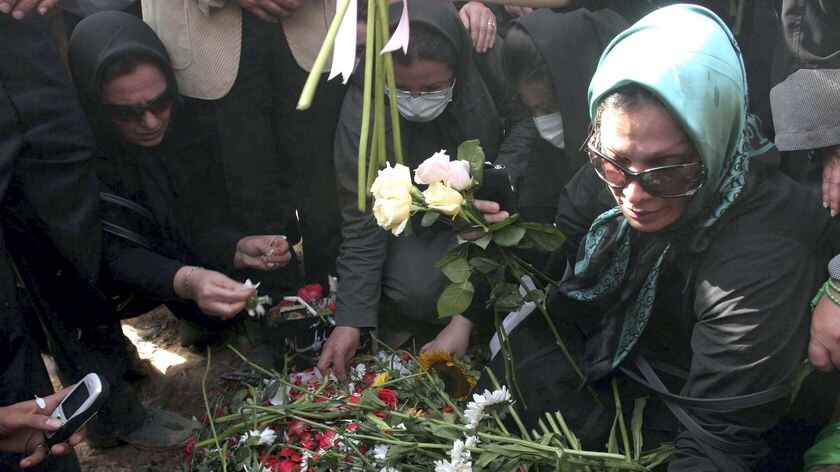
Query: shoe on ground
(161,431)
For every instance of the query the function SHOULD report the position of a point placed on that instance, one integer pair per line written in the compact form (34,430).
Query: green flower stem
(361,171)
(207,409)
(620,413)
(499,423)
(544,279)
(511,409)
(305,100)
(507,357)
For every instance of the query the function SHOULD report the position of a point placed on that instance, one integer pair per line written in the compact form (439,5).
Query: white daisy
(477,409)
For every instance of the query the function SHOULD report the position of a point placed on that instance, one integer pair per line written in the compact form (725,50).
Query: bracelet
(187,288)
(827,289)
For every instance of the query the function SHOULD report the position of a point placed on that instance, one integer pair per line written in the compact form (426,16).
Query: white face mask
(426,107)
(551,129)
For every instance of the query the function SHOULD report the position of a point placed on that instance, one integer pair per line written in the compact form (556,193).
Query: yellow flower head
(457,381)
(380,379)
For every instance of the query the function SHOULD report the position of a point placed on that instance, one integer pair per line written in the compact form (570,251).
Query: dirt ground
(173,383)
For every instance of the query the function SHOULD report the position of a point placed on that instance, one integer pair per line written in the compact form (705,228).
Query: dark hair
(623,98)
(427,43)
(521,60)
(125,65)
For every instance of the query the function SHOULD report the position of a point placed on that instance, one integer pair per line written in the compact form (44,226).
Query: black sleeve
(146,272)
(49,180)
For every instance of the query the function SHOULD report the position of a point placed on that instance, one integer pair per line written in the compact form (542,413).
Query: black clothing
(729,319)
(365,255)
(570,44)
(163,206)
(48,188)
(289,162)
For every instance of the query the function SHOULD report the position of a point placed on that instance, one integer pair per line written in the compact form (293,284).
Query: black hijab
(471,114)
(570,44)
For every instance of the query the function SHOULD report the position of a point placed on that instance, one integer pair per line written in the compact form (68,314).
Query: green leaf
(457,271)
(536,296)
(506,296)
(509,236)
(504,223)
(453,253)
(455,299)
(483,241)
(545,238)
(471,152)
(429,219)
(636,426)
(484,264)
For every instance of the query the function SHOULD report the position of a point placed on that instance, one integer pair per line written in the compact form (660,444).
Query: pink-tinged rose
(392,198)
(443,198)
(458,176)
(434,169)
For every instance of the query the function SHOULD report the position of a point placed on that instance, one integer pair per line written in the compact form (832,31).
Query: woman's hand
(454,339)
(22,427)
(264,252)
(339,350)
(481,24)
(491,212)
(831,179)
(517,11)
(19,8)
(215,293)
(824,346)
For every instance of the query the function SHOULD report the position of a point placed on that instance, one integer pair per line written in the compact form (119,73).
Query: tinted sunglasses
(672,181)
(135,112)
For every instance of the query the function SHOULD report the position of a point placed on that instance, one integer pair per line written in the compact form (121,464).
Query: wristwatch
(834,267)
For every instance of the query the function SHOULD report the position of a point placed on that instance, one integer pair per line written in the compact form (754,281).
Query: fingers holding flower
(262,252)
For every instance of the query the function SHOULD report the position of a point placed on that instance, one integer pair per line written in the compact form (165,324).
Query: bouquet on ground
(449,196)
(396,413)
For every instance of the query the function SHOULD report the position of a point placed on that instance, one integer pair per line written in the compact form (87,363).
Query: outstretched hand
(215,293)
(454,338)
(22,427)
(339,350)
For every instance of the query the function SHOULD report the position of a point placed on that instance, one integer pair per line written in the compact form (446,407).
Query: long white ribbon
(344,49)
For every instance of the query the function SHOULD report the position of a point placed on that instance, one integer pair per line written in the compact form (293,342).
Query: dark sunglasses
(673,181)
(135,112)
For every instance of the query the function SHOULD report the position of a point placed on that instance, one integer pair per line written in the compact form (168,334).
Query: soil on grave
(173,383)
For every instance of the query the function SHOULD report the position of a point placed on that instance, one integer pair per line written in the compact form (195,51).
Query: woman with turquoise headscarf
(697,257)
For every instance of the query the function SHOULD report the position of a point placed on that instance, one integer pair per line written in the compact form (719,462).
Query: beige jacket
(204,39)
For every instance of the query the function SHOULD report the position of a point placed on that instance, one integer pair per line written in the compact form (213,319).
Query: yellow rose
(443,198)
(392,198)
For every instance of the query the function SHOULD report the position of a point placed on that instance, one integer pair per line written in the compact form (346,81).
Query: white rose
(458,176)
(391,177)
(443,198)
(391,205)
(434,169)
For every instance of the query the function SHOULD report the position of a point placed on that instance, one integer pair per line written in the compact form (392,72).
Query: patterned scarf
(671,52)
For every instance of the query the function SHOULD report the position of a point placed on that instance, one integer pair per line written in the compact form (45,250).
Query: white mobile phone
(77,407)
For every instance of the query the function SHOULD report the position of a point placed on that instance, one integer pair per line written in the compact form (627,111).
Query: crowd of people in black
(151,154)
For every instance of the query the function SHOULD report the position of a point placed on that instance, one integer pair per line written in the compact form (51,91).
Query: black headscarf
(96,43)
(154,196)
(570,44)
(471,114)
